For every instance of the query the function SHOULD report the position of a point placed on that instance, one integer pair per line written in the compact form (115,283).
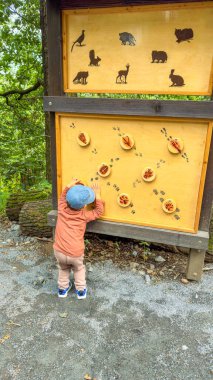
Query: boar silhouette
(184,35)
(126,37)
(159,56)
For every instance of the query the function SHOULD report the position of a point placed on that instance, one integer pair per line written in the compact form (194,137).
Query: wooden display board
(163,49)
(180,174)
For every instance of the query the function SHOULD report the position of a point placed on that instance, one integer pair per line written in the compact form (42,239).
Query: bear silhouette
(159,56)
(126,37)
(184,35)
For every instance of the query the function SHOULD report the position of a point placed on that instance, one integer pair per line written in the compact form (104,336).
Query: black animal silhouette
(159,56)
(93,60)
(184,35)
(79,40)
(177,80)
(122,74)
(81,77)
(126,37)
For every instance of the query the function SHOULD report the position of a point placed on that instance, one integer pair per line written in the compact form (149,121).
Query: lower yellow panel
(179,176)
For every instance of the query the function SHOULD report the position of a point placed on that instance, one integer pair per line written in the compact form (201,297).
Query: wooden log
(16,201)
(33,218)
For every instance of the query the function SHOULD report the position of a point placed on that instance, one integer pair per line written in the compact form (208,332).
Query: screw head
(50,103)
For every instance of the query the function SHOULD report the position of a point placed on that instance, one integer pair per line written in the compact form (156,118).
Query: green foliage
(22,138)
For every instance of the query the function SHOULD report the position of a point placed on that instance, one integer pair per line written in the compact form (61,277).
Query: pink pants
(65,265)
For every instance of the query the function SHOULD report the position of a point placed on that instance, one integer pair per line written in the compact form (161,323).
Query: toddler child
(69,235)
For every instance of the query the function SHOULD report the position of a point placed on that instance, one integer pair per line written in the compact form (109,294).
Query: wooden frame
(55,102)
(119,120)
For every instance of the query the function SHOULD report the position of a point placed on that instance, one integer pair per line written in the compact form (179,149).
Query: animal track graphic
(138,154)
(170,138)
(136,182)
(72,125)
(160,163)
(159,193)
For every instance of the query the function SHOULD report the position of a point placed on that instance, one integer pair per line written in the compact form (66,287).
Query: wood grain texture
(185,68)
(55,85)
(168,108)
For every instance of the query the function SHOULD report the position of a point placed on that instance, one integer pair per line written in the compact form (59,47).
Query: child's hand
(73,182)
(97,190)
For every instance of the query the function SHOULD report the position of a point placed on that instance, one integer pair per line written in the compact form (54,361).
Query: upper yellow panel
(165,49)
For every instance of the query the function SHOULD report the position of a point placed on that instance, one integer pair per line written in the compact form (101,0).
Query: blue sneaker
(62,293)
(81,294)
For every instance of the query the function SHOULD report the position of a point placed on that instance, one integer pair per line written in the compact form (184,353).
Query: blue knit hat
(78,196)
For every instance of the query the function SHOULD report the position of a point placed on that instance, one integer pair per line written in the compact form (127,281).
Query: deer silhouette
(122,74)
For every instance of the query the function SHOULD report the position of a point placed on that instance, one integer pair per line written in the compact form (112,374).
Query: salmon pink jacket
(71,226)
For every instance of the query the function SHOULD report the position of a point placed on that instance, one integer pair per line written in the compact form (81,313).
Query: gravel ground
(126,329)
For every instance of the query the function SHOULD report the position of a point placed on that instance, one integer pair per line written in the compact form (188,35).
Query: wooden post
(195,264)
(54,77)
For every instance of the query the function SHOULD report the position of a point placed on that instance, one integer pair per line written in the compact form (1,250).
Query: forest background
(24,127)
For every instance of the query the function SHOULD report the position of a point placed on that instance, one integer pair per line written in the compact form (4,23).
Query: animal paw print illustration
(72,125)
(175,145)
(168,204)
(160,163)
(138,154)
(94,151)
(136,182)
(112,161)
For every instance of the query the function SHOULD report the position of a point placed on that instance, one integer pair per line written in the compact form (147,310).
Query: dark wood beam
(167,108)
(74,4)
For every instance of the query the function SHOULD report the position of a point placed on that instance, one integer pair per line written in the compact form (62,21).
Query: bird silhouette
(79,40)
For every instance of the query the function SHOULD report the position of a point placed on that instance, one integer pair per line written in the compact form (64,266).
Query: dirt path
(127,328)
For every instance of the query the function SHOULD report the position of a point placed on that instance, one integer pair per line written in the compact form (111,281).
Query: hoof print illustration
(175,145)
(184,34)
(159,56)
(104,170)
(122,75)
(81,77)
(79,40)
(169,206)
(83,139)
(148,175)
(127,38)
(123,200)
(127,142)
(177,80)
(94,61)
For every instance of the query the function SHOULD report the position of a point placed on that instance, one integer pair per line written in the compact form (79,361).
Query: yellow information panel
(163,49)
(151,171)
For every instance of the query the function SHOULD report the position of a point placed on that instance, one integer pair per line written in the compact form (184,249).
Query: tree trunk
(33,218)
